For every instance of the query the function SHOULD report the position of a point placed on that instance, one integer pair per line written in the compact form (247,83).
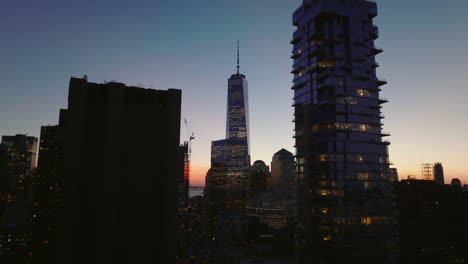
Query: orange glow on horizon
(197,174)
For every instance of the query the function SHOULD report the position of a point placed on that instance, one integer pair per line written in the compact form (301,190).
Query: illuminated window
(363,93)
(323,157)
(366,220)
(324,192)
(363,176)
(300,160)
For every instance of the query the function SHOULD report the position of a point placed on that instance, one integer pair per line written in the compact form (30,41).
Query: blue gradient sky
(190,45)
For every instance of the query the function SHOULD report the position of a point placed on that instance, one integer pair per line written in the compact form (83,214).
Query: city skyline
(425,97)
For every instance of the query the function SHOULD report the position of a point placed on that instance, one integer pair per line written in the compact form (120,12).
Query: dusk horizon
(144,52)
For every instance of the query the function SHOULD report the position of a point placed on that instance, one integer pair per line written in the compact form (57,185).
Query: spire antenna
(238,58)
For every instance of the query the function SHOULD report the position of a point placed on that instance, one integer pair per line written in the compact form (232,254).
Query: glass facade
(237,115)
(227,180)
(231,166)
(344,179)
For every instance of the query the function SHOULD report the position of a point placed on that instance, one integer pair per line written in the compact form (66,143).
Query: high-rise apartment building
(120,168)
(344,180)
(230,157)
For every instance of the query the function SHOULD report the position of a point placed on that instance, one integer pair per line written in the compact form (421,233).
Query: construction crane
(191,136)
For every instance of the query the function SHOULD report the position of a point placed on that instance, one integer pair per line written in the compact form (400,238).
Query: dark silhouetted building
(120,174)
(283,173)
(19,159)
(344,180)
(228,177)
(259,175)
(48,192)
(432,221)
(4,177)
(455,182)
(439,173)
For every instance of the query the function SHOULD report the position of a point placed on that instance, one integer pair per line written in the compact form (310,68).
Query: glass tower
(230,159)
(344,179)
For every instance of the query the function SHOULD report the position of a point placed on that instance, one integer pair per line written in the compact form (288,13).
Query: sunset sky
(191,45)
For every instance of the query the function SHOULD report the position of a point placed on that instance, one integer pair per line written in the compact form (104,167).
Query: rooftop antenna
(238,57)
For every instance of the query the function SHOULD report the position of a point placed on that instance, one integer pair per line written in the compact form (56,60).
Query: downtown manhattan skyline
(140,44)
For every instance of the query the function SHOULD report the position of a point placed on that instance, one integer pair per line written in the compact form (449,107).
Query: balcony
(385,134)
(297,70)
(383,100)
(376,50)
(295,55)
(382,142)
(297,15)
(372,10)
(381,82)
(297,37)
(298,86)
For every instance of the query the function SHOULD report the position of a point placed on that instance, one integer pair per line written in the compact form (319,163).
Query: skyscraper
(439,173)
(344,180)
(230,157)
(120,168)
